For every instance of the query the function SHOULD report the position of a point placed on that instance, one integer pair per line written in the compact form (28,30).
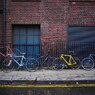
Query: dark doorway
(27,39)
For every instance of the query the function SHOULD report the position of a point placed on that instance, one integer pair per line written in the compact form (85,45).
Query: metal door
(81,34)
(27,39)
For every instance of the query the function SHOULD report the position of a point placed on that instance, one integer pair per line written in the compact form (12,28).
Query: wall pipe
(4,23)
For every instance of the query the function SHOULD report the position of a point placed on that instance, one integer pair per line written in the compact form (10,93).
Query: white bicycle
(12,62)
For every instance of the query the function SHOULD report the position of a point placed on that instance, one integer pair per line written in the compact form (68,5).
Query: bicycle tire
(31,64)
(87,64)
(76,66)
(7,68)
(42,61)
(45,61)
(1,60)
(57,64)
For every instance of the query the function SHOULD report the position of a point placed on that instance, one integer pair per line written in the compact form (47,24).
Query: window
(26,0)
(82,40)
(27,39)
(82,33)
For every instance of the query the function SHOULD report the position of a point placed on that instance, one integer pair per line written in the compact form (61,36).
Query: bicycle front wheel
(31,64)
(57,64)
(7,65)
(87,64)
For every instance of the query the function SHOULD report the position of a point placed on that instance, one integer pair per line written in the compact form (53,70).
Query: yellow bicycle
(66,61)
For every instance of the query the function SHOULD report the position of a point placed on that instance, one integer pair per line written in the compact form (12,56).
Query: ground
(49,75)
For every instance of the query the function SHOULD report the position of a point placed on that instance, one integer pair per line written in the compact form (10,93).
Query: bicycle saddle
(23,53)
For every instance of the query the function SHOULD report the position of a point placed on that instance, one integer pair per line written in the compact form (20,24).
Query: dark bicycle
(45,61)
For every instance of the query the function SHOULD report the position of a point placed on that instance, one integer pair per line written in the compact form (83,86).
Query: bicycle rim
(76,66)
(31,64)
(57,64)
(7,68)
(87,64)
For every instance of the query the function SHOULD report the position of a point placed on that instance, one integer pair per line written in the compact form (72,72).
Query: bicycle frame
(44,60)
(8,51)
(19,63)
(70,59)
(91,56)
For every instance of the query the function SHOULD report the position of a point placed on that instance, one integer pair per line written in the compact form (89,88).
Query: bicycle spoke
(77,65)
(6,67)
(87,64)
(31,64)
(57,64)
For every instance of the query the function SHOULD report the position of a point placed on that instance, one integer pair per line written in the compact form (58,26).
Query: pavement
(48,82)
(49,75)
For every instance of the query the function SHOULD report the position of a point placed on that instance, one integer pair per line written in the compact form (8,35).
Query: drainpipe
(4,23)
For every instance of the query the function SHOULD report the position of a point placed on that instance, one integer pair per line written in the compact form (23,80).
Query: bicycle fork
(9,63)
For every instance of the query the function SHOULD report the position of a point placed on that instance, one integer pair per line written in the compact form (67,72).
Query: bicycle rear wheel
(87,64)
(77,65)
(45,62)
(31,64)
(7,65)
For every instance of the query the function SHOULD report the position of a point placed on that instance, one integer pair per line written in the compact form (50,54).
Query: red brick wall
(1,3)
(50,14)
(81,13)
(53,16)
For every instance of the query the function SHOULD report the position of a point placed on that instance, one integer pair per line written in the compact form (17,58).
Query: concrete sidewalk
(49,75)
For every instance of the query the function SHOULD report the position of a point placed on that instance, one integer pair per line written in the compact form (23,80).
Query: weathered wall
(54,16)
(81,13)
(50,14)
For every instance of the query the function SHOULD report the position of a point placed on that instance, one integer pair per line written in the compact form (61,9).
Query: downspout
(4,23)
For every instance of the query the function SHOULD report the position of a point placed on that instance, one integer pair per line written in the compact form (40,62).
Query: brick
(54,16)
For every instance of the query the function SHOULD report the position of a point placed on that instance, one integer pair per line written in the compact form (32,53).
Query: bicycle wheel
(1,60)
(76,66)
(42,61)
(57,64)
(7,65)
(45,62)
(87,64)
(31,64)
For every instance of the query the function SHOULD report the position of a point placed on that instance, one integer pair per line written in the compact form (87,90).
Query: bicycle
(11,61)
(66,61)
(45,61)
(88,62)
(5,51)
